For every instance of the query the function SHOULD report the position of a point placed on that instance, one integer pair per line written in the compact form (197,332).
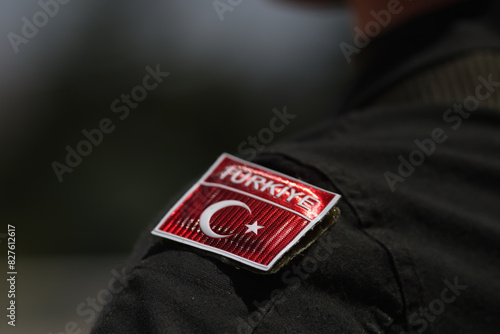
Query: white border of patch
(156,231)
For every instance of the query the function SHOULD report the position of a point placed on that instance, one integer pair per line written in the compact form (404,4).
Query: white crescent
(210,211)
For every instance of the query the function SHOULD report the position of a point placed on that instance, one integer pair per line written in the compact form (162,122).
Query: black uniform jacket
(414,150)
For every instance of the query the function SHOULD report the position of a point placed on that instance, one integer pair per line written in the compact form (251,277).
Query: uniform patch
(249,214)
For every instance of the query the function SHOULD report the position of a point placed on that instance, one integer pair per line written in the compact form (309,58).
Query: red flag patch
(247,213)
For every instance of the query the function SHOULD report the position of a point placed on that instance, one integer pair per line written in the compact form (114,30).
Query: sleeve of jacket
(329,288)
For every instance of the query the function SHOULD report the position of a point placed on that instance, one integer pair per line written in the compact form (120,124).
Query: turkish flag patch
(249,214)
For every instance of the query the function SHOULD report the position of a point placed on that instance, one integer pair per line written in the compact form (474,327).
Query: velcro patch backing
(250,215)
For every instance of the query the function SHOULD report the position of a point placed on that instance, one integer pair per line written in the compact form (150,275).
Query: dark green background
(226,77)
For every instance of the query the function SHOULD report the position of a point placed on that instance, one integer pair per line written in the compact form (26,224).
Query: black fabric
(446,82)
(418,256)
(436,37)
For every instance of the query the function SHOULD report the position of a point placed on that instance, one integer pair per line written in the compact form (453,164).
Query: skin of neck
(399,11)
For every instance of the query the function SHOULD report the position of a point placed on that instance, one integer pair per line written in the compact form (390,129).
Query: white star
(253,227)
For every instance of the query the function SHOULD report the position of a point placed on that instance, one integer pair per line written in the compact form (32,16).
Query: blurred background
(225,78)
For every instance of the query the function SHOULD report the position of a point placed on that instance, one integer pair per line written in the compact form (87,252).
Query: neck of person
(388,14)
